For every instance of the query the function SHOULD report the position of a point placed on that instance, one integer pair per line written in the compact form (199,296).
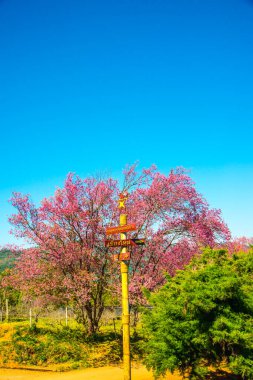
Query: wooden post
(7,310)
(30,317)
(125,306)
(66,316)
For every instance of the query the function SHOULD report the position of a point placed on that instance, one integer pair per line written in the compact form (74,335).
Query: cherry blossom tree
(68,259)
(240,244)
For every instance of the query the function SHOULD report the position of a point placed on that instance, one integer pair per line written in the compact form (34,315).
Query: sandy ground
(105,373)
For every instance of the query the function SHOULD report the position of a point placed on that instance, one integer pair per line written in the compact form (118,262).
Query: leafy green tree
(7,293)
(7,258)
(203,317)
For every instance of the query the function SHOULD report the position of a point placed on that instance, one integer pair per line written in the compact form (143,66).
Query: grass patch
(61,348)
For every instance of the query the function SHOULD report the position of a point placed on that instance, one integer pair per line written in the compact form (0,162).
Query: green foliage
(203,317)
(61,347)
(7,259)
(39,346)
(7,292)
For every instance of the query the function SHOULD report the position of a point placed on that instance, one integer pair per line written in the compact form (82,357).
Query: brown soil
(105,373)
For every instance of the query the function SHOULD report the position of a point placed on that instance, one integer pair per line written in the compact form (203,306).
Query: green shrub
(203,317)
(38,346)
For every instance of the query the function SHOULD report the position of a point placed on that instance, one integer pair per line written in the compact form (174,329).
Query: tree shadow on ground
(222,375)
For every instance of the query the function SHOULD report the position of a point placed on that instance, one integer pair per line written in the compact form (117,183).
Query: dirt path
(105,373)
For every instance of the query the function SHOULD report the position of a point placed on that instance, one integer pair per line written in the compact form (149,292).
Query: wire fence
(60,315)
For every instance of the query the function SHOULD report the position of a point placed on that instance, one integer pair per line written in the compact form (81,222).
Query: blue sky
(88,86)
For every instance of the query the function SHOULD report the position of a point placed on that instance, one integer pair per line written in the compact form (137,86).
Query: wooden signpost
(124,257)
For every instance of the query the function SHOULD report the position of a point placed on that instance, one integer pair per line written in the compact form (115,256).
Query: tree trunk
(94,314)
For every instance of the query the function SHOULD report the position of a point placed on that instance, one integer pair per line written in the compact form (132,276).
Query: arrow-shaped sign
(118,229)
(124,243)
(118,243)
(139,241)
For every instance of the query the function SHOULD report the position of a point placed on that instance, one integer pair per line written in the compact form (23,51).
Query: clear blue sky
(167,82)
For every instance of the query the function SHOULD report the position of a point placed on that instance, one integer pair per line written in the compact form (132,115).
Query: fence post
(66,316)
(30,317)
(7,310)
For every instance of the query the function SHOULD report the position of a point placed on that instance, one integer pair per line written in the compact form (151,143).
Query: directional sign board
(138,241)
(124,243)
(122,256)
(118,243)
(119,229)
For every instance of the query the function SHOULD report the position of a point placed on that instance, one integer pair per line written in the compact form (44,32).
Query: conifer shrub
(201,321)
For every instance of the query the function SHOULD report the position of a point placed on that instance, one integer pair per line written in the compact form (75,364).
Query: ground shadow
(223,375)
